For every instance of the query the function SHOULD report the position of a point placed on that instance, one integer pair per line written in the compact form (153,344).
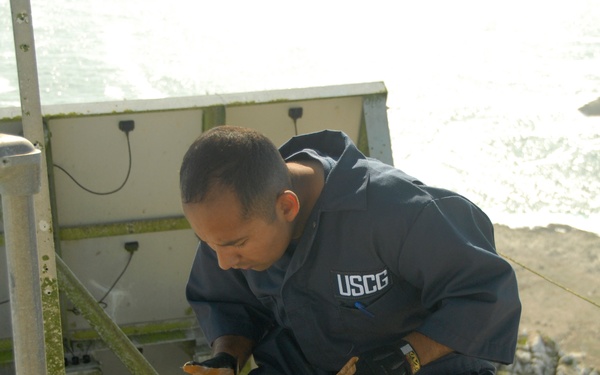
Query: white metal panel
(273,120)
(152,288)
(94,151)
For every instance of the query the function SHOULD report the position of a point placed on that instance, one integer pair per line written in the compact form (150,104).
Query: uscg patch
(360,284)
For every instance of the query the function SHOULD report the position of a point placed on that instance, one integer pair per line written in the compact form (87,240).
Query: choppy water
(483,96)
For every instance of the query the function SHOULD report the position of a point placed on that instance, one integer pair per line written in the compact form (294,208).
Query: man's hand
(349,368)
(221,364)
(396,359)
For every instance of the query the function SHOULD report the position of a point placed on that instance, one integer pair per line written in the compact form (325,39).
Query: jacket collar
(346,185)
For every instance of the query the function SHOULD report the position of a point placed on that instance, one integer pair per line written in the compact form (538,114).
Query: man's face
(253,243)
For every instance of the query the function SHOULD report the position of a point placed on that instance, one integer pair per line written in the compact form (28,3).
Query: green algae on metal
(11,119)
(150,330)
(52,326)
(123,228)
(120,229)
(52,331)
(6,351)
(213,116)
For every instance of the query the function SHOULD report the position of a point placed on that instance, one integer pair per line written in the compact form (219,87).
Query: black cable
(69,346)
(5,301)
(108,192)
(101,301)
(87,350)
(295,113)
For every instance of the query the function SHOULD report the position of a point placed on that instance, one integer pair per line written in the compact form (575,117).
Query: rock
(540,355)
(591,109)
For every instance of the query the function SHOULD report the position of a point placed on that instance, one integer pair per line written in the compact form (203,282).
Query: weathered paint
(33,130)
(22,17)
(52,324)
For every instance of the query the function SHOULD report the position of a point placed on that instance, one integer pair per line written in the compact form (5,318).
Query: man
(314,256)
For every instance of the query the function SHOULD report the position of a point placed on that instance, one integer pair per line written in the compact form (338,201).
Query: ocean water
(483,96)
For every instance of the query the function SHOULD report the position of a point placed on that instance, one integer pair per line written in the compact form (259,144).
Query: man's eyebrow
(227,243)
(232,242)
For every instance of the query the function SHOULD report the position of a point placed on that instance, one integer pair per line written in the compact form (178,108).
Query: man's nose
(226,259)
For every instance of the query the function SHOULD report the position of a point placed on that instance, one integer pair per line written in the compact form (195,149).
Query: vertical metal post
(378,131)
(19,180)
(33,130)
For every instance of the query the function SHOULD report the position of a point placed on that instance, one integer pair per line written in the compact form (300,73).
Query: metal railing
(19,181)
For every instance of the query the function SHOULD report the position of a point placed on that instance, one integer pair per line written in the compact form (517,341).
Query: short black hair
(236,158)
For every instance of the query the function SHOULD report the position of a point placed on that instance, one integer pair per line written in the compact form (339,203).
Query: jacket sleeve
(222,300)
(471,292)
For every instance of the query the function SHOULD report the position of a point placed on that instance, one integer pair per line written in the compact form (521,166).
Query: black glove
(396,359)
(220,360)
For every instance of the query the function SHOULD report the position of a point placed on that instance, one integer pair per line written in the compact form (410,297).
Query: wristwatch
(411,356)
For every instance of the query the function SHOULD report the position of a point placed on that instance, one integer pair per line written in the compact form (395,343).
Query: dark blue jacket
(415,257)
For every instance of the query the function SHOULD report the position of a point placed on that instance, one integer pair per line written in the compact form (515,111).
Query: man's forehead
(214,225)
(219,198)
(218,191)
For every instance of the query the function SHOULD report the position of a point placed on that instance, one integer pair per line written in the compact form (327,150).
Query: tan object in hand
(197,369)
(349,368)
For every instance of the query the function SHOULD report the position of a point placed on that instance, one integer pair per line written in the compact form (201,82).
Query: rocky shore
(561,328)
(540,355)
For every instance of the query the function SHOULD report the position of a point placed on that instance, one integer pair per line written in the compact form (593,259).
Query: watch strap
(411,356)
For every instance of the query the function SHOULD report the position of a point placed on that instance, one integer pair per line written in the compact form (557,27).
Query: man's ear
(288,205)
